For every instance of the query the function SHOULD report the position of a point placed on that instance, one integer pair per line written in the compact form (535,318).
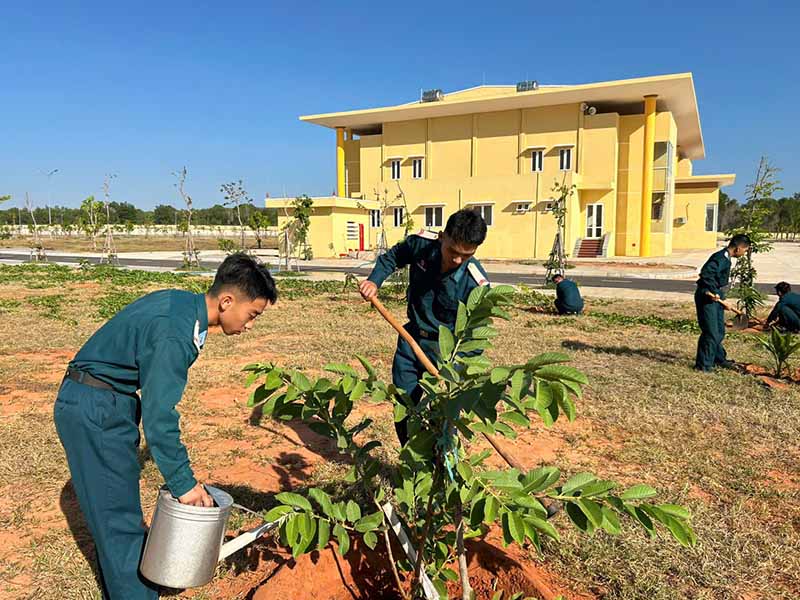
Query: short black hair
(783,288)
(466,227)
(248,275)
(740,239)
(553,278)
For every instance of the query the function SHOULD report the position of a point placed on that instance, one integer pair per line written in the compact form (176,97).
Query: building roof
(719,180)
(675,94)
(325,202)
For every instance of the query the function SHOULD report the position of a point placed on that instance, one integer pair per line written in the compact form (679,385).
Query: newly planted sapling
(441,490)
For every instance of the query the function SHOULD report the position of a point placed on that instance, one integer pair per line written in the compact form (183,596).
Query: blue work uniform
(787,312)
(147,346)
(433,299)
(714,277)
(568,298)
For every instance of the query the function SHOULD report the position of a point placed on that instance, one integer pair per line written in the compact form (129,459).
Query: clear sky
(140,89)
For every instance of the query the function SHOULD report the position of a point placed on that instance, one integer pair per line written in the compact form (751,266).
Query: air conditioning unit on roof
(432,95)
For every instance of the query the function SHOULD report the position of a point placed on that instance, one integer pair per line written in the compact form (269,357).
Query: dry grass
(720,443)
(130,243)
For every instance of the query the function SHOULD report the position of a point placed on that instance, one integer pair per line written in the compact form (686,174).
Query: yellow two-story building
(626,146)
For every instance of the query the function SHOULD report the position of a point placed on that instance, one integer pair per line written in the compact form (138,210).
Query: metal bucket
(183,546)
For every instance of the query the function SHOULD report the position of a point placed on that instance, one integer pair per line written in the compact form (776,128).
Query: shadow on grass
(657,355)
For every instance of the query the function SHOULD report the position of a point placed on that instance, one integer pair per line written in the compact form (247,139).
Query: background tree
(109,249)
(728,210)
(190,254)
(90,221)
(754,213)
(235,196)
(258,222)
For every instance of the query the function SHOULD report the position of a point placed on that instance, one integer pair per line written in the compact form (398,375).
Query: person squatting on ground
(568,298)
(786,313)
(442,272)
(149,346)
(714,277)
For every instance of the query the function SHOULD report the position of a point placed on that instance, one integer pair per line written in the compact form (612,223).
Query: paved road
(533,280)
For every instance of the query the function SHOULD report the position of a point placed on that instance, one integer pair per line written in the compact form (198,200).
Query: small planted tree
(440,489)
(780,347)
(109,249)
(258,222)
(295,231)
(191,256)
(37,248)
(557,261)
(753,216)
(235,196)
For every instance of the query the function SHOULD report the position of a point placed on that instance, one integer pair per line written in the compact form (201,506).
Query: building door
(594,220)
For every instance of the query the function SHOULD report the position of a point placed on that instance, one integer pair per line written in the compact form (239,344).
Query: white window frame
(537,161)
(522,207)
(394,166)
(434,216)
(399,216)
(565,159)
(715,205)
(484,210)
(417,168)
(375,218)
(593,229)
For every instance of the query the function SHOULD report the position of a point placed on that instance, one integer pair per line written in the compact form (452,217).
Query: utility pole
(49,175)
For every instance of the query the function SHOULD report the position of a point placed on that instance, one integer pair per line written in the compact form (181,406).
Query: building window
(711,217)
(522,207)
(565,159)
(399,216)
(374,218)
(352,230)
(395,163)
(416,168)
(433,216)
(537,161)
(484,210)
(657,206)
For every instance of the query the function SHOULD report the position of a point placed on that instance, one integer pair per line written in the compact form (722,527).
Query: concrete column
(647,173)
(340,183)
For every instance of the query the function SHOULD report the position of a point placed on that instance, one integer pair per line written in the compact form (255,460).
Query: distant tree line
(781,215)
(125,213)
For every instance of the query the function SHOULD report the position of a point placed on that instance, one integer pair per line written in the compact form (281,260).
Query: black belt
(86,379)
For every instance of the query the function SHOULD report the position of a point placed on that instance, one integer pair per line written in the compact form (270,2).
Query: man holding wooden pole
(443,272)
(709,302)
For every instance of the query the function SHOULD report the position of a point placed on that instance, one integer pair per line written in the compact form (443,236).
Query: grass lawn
(722,444)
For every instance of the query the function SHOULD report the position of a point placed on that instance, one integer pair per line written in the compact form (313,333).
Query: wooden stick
(725,304)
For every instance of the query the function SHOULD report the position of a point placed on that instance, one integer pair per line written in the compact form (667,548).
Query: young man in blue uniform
(443,272)
(147,346)
(714,276)
(786,312)
(568,298)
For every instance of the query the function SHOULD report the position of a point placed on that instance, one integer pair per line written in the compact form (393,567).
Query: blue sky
(141,89)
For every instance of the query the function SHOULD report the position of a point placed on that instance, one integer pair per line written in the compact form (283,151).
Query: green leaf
(507,537)
(292,530)
(597,488)
(294,500)
(547,358)
(369,522)
(559,372)
(517,381)
(515,418)
(576,482)
(499,375)
(675,511)
(544,395)
(277,512)
(540,479)
(301,382)
(516,527)
(476,515)
(449,574)
(461,319)
(638,492)
(358,391)
(343,538)
(543,526)
(566,404)
(476,296)
(371,372)
(400,412)
(577,517)
(473,345)
(370,539)
(323,499)
(592,510)
(353,511)
(323,533)
(446,343)
(610,521)
(341,369)
(483,333)
(490,510)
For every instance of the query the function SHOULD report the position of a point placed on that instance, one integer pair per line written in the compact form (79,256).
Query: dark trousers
(711,318)
(788,319)
(406,373)
(99,430)
(564,309)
